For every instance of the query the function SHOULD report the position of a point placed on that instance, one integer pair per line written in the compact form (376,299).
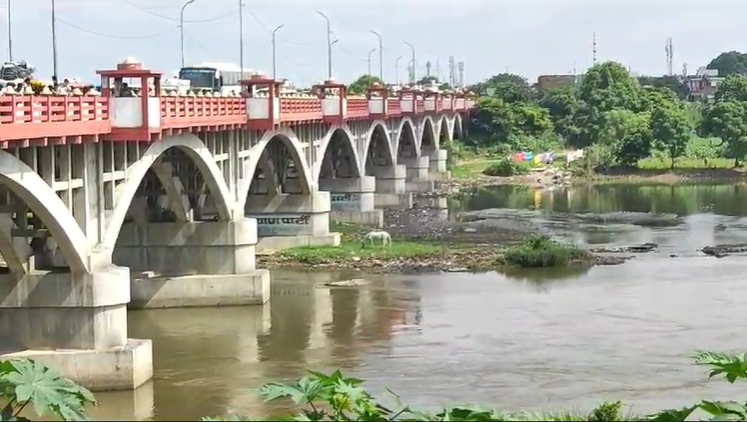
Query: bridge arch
(200,155)
(428,139)
(286,139)
(445,131)
(457,127)
(407,145)
(41,199)
(338,154)
(378,148)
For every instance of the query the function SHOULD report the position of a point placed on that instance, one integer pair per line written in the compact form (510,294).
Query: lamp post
(329,45)
(396,70)
(241,38)
(414,73)
(373,50)
(54,41)
(181,26)
(10,34)
(274,51)
(381,56)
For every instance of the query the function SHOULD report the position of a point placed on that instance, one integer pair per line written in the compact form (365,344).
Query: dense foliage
(620,119)
(541,251)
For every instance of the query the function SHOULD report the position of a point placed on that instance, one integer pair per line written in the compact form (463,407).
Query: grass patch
(507,168)
(541,251)
(664,164)
(472,168)
(353,251)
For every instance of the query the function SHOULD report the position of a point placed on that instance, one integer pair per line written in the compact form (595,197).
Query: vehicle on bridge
(15,72)
(214,77)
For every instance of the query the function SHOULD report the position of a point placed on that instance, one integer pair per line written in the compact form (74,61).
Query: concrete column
(204,263)
(352,200)
(391,187)
(291,220)
(417,174)
(437,167)
(77,324)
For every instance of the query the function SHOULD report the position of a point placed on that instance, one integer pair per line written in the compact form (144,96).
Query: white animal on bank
(375,235)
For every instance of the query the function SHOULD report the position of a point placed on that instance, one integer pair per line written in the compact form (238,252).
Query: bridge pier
(291,220)
(417,174)
(391,187)
(352,200)
(76,323)
(186,264)
(437,168)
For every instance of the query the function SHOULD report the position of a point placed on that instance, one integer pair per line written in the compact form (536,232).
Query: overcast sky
(528,37)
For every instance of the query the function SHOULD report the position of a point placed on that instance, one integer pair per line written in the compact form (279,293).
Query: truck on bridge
(214,77)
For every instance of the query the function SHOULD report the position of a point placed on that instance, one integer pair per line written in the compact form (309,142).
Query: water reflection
(210,361)
(727,200)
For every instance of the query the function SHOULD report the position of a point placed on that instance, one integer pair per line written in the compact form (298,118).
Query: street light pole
(329,45)
(54,41)
(10,34)
(369,60)
(414,74)
(181,26)
(396,70)
(274,52)
(381,56)
(241,39)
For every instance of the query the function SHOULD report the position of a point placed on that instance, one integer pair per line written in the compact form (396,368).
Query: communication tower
(452,71)
(460,67)
(428,69)
(594,48)
(669,49)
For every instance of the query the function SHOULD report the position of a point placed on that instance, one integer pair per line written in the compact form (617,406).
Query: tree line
(619,118)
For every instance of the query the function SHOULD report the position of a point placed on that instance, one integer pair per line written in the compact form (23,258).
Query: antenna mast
(669,49)
(594,49)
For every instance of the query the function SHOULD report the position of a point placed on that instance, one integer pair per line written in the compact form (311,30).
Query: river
(525,341)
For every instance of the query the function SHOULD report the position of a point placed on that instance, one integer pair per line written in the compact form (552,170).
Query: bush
(507,167)
(541,251)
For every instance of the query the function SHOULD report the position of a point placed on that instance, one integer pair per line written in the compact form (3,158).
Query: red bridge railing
(35,117)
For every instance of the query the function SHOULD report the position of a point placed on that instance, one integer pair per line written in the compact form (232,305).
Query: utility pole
(54,41)
(181,25)
(274,51)
(594,49)
(414,63)
(10,33)
(329,45)
(396,70)
(241,39)
(381,56)
(373,50)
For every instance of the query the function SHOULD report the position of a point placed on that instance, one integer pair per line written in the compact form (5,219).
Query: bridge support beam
(291,220)
(352,200)
(77,324)
(391,187)
(417,174)
(188,264)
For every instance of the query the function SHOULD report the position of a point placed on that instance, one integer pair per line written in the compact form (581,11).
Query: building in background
(556,81)
(703,84)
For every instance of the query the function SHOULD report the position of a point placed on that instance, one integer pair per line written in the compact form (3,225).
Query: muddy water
(527,340)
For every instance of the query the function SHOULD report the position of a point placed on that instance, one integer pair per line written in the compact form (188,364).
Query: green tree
(605,87)
(728,120)
(628,135)
(667,81)
(360,85)
(562,105)
(671,129)
(510,87)
(733,88)
(729,63)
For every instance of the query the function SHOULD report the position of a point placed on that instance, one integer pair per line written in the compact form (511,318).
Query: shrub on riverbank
(507,167)
(541,251)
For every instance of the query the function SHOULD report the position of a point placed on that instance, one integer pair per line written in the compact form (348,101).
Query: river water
(524,341)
